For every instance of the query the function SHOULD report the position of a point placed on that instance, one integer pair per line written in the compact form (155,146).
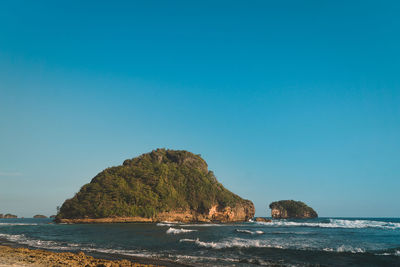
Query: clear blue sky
(284,99)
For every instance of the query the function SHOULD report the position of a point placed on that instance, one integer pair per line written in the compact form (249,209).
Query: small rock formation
(1,216)
(52,216)
(261,219)
(163,185)
(39,216)
(290,209)
(9,216)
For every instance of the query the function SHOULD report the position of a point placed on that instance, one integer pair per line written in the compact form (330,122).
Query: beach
(21,257)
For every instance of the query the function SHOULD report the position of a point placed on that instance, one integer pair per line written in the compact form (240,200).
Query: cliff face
(290,209)
(163,185)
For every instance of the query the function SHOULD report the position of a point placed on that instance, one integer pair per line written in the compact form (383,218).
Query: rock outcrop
(19,256)
(290,209)
(163,185)
(39,216)
(261,219)
(8,216)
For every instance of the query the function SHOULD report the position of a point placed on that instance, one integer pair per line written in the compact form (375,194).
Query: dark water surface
(323,241)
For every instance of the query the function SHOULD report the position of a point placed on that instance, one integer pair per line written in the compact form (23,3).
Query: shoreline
(176,219)
(18,255)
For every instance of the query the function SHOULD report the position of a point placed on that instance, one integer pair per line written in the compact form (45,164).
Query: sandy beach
(25,257)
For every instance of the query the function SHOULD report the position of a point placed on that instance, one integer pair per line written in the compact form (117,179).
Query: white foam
(167,223)
(203,225)
(345,248)
(336,223)
(22,239)
(250,232)
(144,254)
(179,231)
(202,258)
(164,224)
(229,243)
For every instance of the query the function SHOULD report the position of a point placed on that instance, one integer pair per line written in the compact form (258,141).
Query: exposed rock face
(290,209)
(163,185)
(260,219)
(39,216)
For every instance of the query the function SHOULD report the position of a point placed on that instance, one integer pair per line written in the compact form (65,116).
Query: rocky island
(290,209)
(39,216)
(163,185)
(8,216)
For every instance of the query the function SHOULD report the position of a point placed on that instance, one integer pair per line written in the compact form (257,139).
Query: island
(163,185)
(290,209)
(39,216)
(8,216)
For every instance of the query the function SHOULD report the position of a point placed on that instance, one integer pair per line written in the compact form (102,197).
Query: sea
(313,242)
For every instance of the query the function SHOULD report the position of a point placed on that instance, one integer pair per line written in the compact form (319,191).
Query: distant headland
(163,185)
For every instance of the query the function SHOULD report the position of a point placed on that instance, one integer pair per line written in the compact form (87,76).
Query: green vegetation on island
(287,209)
(145,186)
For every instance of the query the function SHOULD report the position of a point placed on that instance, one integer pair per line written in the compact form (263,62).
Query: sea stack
(290,209)
(163,185)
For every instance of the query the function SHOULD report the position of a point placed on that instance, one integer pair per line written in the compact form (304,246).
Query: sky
(283,99)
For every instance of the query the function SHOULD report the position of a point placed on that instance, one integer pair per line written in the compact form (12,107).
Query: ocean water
(314,242)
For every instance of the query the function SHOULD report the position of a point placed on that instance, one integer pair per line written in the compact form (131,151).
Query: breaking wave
(22,239)
(202,225)
(179,231)
(235,242)
(250,232)
(165,224)
(337,223)
(56,245)
(345,248)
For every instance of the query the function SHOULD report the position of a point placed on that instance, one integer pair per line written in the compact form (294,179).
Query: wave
(23,240)
(337,223)
(203,225)
(250,232)
(57,245)
(166,224)
(345,248)
(249,243)
(235,242)
(179,231)
(390,253)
